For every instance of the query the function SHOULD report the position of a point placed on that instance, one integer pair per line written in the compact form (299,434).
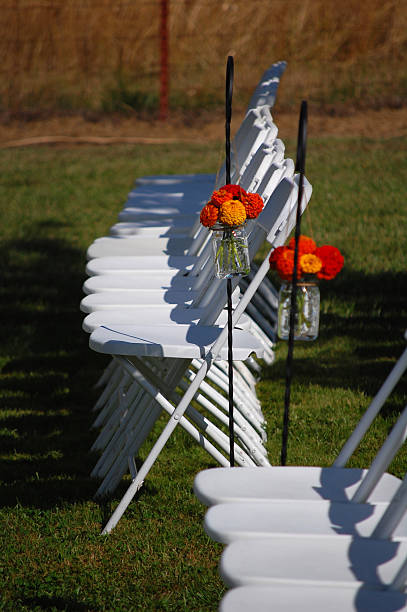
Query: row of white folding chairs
(158,358)
(124,308)
(109,411)
(245,393)
(114,400)
(289,529)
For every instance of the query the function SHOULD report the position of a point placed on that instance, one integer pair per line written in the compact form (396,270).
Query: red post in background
(164,60)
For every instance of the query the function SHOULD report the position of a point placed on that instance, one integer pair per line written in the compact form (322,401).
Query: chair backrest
(255,128)
(395,511)
(266,91)
(256,169)
(372,411)
(382,459)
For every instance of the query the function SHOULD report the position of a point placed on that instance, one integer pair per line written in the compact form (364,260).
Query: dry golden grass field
(103,56)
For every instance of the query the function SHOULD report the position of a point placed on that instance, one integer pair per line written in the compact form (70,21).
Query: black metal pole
(300,167)
(228,113)
(229,94)
(230,367)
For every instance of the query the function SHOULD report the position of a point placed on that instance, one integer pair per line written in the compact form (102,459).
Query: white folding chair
(293,482)
(238,520)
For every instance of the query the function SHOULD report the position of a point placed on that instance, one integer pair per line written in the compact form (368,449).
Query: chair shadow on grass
(46,377)
(55,603)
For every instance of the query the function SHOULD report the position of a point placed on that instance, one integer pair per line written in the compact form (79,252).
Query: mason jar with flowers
(313,264)
(226,214)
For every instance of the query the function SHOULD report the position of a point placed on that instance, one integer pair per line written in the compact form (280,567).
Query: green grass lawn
(54,202)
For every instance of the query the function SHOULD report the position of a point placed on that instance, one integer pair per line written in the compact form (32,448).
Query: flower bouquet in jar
(225,214)
(313,264)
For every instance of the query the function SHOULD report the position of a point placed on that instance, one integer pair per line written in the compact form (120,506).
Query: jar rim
(219,227)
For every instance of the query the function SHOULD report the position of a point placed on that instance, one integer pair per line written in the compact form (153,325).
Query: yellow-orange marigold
(305,244)
(232,213)
(310,263)
(209,215)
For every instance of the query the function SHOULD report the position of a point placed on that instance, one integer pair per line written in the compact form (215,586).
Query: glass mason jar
(230,251)
(307,312)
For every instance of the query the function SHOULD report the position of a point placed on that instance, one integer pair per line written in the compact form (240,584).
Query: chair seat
(229,522)
(225,485)
(138,264)
(166,280)
(190,199)
(137,213)
(163,314)
(109,300)
(179,341)
(296,597)
(110,246)
(327,561)
(176,179)
(153,227)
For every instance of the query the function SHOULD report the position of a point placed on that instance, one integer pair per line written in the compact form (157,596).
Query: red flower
(253,204)
(221,196)
(332,261)
(275,256)
(209,215)
(236,190)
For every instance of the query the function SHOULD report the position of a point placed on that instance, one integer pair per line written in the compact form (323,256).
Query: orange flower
(310,263)
(285,265)
(305,245)
(209,215)
(253,204)
(232,213)
(332,261)
(220,196)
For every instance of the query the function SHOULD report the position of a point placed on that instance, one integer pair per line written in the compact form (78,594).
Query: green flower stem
(228,249)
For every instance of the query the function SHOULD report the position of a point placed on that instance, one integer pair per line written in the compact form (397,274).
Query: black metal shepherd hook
(229,93)
(228,114)
(299,167)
